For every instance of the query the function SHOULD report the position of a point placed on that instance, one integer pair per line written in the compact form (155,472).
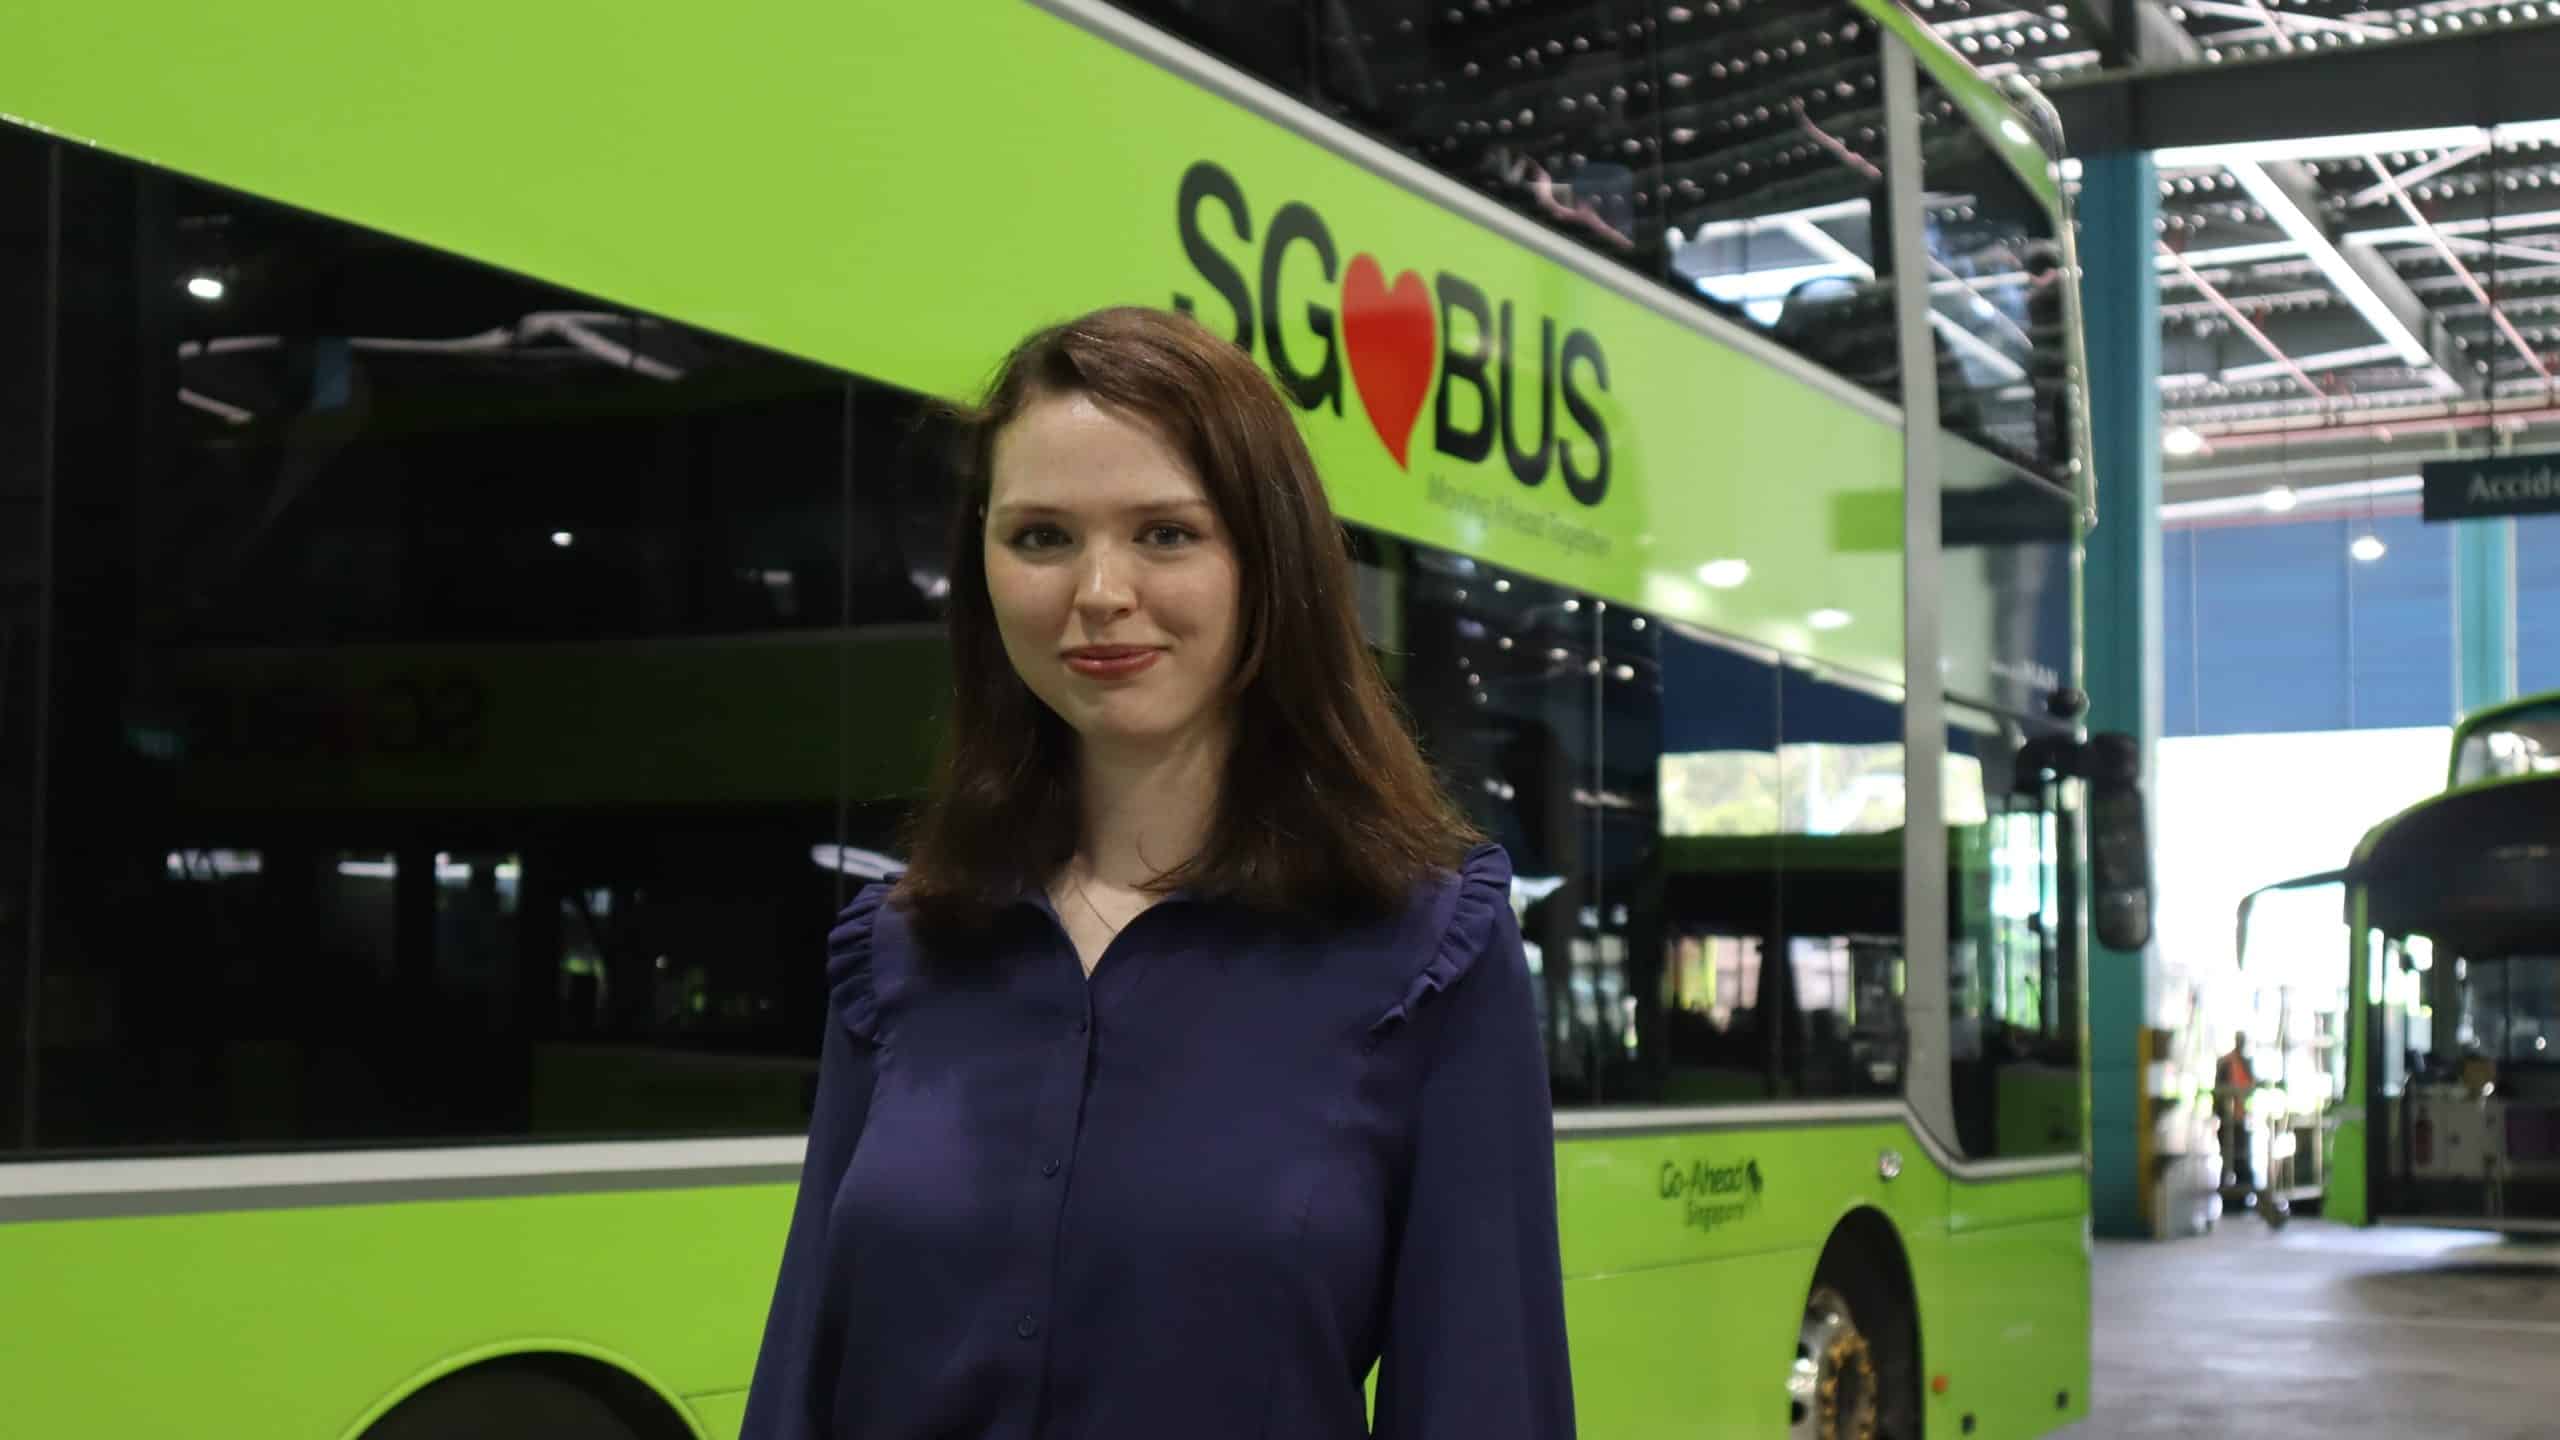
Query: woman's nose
(1102,583)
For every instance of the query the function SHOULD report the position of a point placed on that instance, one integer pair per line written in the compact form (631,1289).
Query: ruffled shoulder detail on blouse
(1466,910)
(849,973)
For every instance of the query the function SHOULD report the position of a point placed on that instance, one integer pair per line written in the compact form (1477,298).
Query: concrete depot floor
(2325,1332)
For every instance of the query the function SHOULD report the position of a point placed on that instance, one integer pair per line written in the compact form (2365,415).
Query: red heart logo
(1392,339)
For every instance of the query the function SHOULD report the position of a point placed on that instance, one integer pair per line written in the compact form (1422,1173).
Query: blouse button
(1049,1168)
(1026,1327)
(1082,1025)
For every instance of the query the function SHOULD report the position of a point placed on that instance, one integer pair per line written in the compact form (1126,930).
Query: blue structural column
(2484,613)
(2120,289)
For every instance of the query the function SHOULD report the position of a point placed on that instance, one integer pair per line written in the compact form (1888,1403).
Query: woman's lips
(1111,662)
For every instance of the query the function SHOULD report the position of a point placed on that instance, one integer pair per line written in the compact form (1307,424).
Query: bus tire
(507,1402)
(1855,1372)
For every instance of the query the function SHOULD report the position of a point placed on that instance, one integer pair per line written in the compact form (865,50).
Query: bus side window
(1700,744)
(2012,973)
(1842,1028)
(465,650)
(1498,673)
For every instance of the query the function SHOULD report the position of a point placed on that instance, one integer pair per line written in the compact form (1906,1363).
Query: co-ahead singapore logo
(1710,1195)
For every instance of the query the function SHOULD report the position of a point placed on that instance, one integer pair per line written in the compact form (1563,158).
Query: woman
(1191,1068)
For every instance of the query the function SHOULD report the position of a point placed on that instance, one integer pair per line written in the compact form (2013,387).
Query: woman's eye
(1039,537)
(1168,535)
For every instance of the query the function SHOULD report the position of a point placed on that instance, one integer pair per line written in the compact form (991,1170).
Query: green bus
(2417,999)
(471,618)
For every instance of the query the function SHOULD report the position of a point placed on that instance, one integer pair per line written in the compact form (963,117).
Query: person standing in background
(2234,1081)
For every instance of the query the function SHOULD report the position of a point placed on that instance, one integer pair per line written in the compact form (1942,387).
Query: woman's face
(1114,584)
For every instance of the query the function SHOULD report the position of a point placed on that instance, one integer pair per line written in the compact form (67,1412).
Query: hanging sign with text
(2496,485)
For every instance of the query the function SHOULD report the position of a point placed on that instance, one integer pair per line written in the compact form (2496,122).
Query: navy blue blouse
(1199,1194)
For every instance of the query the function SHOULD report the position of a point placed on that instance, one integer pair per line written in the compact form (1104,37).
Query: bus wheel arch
(1854,1370)
(531,1393)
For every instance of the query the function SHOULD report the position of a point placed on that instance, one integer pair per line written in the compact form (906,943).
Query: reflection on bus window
(1995,295)
(2406,964)
(1839,855)
(1775,167)
(465,653)
(1709,861)
(1499,672)
(1555,111)
(1810,789)
(2013,967)
(2510,1008)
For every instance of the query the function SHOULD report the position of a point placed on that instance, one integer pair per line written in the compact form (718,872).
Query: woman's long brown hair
(1327,808)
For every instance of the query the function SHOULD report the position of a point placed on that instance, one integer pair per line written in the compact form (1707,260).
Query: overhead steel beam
(2292,198)
(2449,160)
(2486,75)
(2479,293)
(2241,322)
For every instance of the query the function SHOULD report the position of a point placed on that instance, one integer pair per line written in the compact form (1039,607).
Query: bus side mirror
(2119,835)
(2119,843)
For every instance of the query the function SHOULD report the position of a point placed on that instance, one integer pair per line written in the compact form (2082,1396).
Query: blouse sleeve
(1475,1334)
(790,1394)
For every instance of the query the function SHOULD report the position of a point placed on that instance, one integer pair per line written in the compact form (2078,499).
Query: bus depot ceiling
(2334,309)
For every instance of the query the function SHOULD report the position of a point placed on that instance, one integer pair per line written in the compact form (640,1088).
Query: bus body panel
(1712,1193)
(2017,1355)
(314,1319)
(310,1320)
(716,214)
(2000,1204)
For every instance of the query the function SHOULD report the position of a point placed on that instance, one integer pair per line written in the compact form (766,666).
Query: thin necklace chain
(1078,881)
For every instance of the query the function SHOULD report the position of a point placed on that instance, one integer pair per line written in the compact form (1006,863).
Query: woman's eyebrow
(1034,510)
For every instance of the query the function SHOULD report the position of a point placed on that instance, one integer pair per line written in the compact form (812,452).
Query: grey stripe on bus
(128,1204)
(59,1190)
(1598,1124)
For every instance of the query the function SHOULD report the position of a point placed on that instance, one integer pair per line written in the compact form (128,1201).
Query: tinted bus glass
(1731,153)
(1996,296)
(467,660)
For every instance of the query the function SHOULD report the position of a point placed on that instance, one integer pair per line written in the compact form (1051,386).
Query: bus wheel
(503,1402)
(1834,1390)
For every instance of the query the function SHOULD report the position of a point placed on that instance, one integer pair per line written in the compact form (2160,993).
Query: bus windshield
(2510,1008)
(2292,943)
